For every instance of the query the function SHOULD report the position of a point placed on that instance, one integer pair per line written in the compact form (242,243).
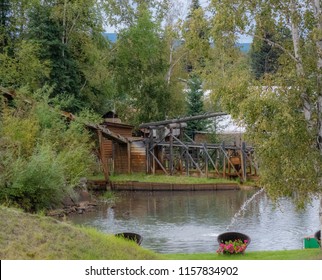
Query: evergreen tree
(4,24)
(263,58)
(195,105)
(65,76)
(195,5)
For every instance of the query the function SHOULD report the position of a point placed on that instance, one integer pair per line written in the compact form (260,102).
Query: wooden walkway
(170,150)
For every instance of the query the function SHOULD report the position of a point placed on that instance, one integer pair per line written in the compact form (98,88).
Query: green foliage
(311,254)
(264,58)
(195,105)
(272,109)
(264,55)
(196,38)
(124,13)
(42,155)
(44,238)
(48,33)
(24,68)
(69,34)
(166,179)
(140,71)
(19,132)
(38,182)
(283,145)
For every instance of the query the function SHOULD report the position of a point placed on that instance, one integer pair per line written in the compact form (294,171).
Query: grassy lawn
(26,236)
(308,254)
(166,179)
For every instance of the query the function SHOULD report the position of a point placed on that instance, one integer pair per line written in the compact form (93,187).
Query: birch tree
(283,114)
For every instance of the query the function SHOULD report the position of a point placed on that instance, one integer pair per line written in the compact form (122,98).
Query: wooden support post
(147,144)
(243,161)
(224,164)
(187,162)
(191,158)
(229,161)
(162,167)
(129,157)
(113,157)
(206,159)
(249,158)
(229,165)
(103,159)
(217,161)
(171,152)
(153,161)
(198,160)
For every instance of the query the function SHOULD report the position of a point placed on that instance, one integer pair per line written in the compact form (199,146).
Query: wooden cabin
(119,151)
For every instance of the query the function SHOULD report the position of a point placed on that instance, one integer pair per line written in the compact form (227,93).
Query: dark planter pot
(317,236)
(130,236)
(231,236)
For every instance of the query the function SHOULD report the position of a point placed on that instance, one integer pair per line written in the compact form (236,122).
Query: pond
(189,222)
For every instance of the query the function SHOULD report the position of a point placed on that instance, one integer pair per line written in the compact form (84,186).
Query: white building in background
(225,130)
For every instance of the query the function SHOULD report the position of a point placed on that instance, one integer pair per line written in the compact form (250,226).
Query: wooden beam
(171,161)
(209,157)
(243,161)
(157,160)
(102,156)
(206,159)
(230,164)
(191,158)
(184,119)
(129,157)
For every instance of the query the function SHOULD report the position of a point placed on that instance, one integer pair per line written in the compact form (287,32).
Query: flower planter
(233,243)
(130,236)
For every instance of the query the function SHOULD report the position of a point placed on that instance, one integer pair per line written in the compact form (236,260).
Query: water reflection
(186,222)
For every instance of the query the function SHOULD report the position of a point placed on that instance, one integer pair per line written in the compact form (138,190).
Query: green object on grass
(310,242)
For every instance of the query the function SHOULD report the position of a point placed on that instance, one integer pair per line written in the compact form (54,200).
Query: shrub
(38,183)
(42,156)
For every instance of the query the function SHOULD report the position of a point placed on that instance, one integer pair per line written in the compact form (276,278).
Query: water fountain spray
(243,208)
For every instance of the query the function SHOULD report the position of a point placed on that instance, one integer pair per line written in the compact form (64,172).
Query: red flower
(232,247)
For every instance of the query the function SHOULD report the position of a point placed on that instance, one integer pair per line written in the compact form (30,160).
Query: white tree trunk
(318,18)
(307,103)
(307,107)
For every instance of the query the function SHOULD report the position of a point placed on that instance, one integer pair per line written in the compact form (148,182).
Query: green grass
(307,254)
(26,236)
(166,179)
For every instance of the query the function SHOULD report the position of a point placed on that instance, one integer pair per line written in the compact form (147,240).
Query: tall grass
(26,236)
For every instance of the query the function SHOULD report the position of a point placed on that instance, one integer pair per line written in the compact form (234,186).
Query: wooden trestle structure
(171,151)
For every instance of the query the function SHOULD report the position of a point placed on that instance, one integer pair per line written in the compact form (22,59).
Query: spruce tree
(65,76)
(195,106)
(4,23)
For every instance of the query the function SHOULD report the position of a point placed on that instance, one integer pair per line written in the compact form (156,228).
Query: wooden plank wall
(120,158)
(138,157)
(124,131)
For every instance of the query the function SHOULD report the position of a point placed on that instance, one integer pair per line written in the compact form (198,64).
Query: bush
(42,156)
(38,183)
